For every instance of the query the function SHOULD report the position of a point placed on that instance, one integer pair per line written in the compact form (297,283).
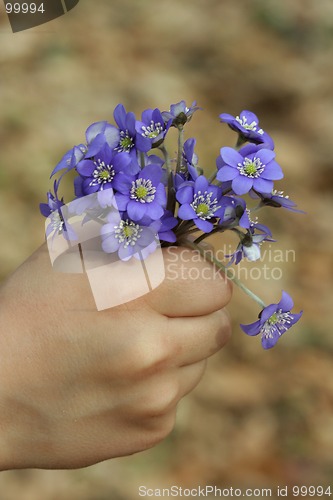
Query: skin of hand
(79,386)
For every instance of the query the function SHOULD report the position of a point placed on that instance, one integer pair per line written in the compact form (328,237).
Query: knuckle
(153,356)
(146,356)
(167,347)
(162,428)
(161,400)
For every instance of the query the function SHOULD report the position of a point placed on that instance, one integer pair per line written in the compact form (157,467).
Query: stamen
(204,206)
(254,221)
(251,167)
(280,194)
(125,143)
(142,190)
(152,130)
(249,126)
(57,222)
(279,322)
(102,174)
(127,232)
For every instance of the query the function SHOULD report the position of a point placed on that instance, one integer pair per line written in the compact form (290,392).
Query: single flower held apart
(274,320)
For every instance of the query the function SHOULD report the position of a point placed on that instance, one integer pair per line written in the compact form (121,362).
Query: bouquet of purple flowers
(141,198)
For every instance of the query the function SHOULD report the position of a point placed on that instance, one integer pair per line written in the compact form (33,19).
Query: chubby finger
(191,340)
(190,377)
(192,286)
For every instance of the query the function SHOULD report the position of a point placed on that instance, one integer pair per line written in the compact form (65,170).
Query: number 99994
(24,8)
(311,491)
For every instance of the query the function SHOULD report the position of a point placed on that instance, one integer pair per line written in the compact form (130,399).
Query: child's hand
(78,386)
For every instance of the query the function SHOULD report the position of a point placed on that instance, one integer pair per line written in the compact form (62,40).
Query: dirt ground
(258,419)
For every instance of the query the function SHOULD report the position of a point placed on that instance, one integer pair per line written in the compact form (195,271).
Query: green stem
(212,177)
(203,236)
(183,227)
(240,141)
(191,231)
(227,272)
(257,208)
(142,159)
(180,147)
(171,199)
(218,229)
(166,157)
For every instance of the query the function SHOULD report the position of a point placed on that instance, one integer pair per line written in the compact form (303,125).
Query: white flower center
(254,221)
(57,222)
(142,190)
(279,321)
(251,167)
(153,130)
(127,232)
(125,143)
(102,174)
(249,126)
(204,206)
(279,194)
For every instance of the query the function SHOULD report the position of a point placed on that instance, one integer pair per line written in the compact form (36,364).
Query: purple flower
(249,246)
(53,202)
(247,125)
(97,135)
(127,132)
(100,134)
(108,169)
(127,237)
(168,222)
(250,167)
(277,199)
(55,210)
(151,130)
(145,196)
(153,159)
(190,159)
(188,170)
(179,113)
(274,320)
(235,213)
(200,202)
(71,159)
(93,207)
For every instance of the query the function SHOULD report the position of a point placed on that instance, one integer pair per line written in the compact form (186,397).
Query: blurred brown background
(258,418)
